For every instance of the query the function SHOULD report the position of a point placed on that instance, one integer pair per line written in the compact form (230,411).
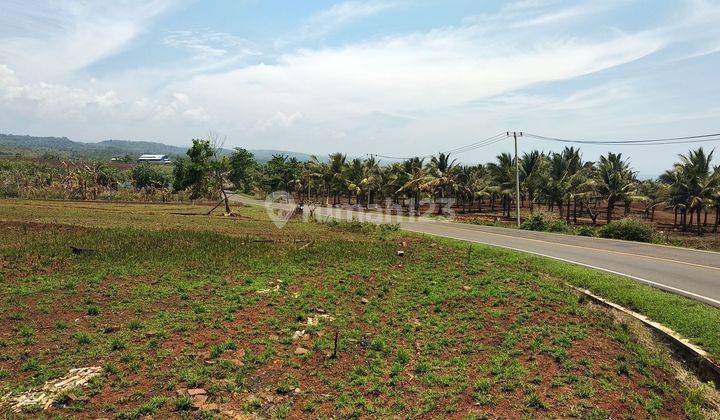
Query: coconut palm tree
(481,185)
(441,173)
(531,167)
(372,178)
(415,178)
(614,181)
(336,164)
(556,181)
(353,177)
(693,185)
(503,173)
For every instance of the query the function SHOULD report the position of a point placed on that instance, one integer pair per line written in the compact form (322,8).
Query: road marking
(640,279)
(585,247)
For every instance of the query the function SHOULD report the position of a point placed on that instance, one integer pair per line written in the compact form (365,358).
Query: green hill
(11,144)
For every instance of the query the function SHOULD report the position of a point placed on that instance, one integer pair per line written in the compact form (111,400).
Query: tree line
(561,182)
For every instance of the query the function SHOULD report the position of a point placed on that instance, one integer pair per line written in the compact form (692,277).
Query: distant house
(162,159)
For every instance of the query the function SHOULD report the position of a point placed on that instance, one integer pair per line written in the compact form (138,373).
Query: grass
(166,302)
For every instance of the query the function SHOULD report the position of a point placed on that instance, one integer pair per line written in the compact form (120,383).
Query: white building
(163,159)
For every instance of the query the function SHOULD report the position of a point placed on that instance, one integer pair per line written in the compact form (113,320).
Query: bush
(586,231)
(627,229)
(536,222)
(559,226)
(147,176)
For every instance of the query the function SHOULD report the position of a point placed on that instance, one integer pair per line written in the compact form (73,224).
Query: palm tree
(336,163)
(654,193)
(614,181)
(481,185)
(415,177)
(503,174)
(693,185)
(531,166)
(556,180)
(441,173)
(321,171)
(372,178)
(353,178)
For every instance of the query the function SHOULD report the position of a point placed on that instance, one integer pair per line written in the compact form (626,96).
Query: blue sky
(396,77)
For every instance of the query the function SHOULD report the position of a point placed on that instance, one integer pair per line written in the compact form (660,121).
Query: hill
(107,149)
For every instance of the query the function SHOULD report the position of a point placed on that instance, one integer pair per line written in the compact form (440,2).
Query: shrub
(627,229)
(585,230)
(536,222)
(559,226)
(148,176)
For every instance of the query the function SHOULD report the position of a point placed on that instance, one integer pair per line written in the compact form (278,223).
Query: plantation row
(562,181)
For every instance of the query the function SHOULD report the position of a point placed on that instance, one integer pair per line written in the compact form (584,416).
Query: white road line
(640,279)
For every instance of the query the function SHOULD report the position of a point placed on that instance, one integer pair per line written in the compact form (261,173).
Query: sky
(393,77)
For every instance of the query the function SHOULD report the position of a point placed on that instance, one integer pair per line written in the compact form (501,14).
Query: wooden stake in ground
(337,334)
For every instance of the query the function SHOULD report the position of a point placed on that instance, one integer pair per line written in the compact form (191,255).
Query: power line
(468,147)
(669,140)
(702,138)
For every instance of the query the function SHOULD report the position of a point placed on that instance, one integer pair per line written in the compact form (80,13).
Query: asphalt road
(692,273)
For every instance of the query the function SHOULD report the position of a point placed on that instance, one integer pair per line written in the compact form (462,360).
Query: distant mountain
(107,149)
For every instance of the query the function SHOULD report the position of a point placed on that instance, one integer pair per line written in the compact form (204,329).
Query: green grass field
(165,301)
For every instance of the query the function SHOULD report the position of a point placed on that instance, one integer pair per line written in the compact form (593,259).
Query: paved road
(692,273)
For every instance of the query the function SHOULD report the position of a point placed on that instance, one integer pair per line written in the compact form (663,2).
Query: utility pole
(517,175)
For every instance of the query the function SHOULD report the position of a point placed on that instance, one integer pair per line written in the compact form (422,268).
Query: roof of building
(153,157)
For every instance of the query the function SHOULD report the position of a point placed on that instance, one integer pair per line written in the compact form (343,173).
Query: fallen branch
(216,206)
(48,393)
(78,251)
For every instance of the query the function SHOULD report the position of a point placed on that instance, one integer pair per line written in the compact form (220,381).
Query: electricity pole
(517,175)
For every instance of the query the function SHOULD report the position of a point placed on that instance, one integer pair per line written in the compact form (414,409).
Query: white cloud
(402,93)
(336,17)
(209,44)
(408,74)
(279,120)
(53,38)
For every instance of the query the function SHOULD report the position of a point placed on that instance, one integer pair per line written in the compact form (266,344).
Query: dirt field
(189,315)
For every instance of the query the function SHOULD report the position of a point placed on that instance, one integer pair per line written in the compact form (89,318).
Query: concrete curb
(691,356)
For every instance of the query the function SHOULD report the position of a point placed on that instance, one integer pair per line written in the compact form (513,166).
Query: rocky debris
(51,390)
(400,253)
(198,401)
(364,301)
(365,341)
(272,289)
(211,407)
(237,357)
(75,398)
(199,398)
(403,244)
(196,391)
(298,335)
(313,321)
(301,351)
(467,288)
